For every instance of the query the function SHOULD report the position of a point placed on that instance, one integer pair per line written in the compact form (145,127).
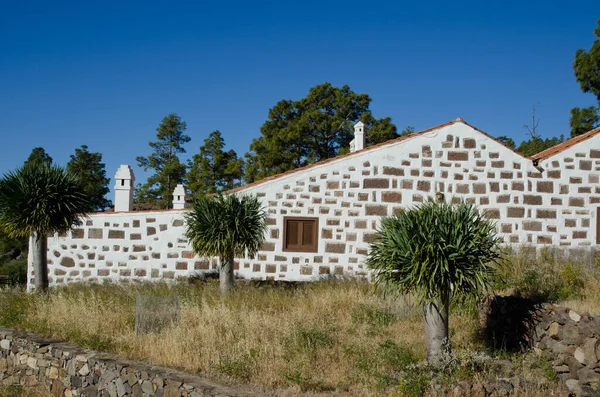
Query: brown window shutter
(293,234)
(308,233)
(300,234)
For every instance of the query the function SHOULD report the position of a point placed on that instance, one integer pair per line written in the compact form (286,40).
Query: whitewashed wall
(555,206)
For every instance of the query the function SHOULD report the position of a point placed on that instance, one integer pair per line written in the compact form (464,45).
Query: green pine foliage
(587,73)
(88,167)
(38,157)
(213,170)
(164,161)
(314,128)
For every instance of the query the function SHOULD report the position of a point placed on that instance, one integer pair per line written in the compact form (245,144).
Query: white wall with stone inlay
(554,206)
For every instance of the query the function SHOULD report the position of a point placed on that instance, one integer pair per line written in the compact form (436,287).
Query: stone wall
(552,204)
(123,246)
(570,340)
(67,371)
(349,195)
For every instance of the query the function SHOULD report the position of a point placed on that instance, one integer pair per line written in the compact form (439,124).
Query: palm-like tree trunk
(435,315)
(40,260)
(226,273)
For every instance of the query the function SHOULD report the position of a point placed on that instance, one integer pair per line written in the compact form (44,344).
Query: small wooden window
(300,234)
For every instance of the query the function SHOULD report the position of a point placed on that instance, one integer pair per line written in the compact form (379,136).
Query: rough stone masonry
(69,371)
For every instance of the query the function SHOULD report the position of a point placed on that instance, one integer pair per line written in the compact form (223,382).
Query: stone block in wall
(67,262)
(77,233)
(335,248)
(376,183)
(533,226)
(576,202)
(95,233)
(267,246)
(532,199)
(457,156)
(585,165)
(378,210)
(391,197)
(515,212)
(492,213)
(116,234)
(393,171)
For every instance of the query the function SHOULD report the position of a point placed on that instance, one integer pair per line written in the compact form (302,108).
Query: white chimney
(358,142)
(124,180)
(179,197)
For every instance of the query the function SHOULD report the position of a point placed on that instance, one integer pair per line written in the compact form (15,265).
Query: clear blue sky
(105,73)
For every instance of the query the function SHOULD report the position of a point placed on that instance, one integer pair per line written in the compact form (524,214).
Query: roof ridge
(561,147)
(385,143)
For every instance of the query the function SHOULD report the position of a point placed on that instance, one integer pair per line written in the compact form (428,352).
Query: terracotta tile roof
(565,145)
(374,147)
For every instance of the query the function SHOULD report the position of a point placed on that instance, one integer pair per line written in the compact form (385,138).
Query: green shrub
(17,270)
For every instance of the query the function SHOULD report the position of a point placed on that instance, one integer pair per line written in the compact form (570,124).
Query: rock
(85,370)
(569,334)
(131,379)
(120,388)
(172,390)
(573,386)
(590,350)
(561,315)
(561,369)
(32,362)
(574,366)
(588,391)
(105,379)
(112,390)
(137,391)
(57,388)
(4,344)
(53,373)
(478,390)
(147,387)
(559,348)
(573,315)
(553,330)
(580,355)
(588,376)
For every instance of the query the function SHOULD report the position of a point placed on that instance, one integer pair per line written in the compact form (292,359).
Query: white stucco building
(322,217)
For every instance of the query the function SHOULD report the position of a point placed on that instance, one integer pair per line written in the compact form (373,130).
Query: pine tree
(89,168)
(38,157)
(213,170)
(587,73)
(168,170)
(314,128)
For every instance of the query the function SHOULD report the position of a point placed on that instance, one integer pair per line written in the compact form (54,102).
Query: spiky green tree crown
(436,249)
(44,199)
(218,226)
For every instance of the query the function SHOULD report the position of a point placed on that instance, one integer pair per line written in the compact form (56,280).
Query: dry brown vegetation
(340,337)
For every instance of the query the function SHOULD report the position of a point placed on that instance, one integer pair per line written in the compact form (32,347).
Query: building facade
(322,217)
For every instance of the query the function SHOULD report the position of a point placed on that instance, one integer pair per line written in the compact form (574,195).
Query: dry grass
(19,391)
(340,337)
(324,336)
